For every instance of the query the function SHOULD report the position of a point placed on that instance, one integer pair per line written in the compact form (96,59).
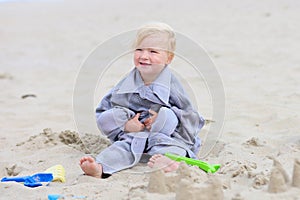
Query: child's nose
(145,54)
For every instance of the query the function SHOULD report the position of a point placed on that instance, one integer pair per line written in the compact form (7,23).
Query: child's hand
(148,122)
(134,125)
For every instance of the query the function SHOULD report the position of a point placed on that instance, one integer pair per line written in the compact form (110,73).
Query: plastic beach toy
(58,172)
(31,181)
(54,196)
(201,164)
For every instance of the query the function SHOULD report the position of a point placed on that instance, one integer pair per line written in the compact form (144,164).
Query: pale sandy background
(254,45)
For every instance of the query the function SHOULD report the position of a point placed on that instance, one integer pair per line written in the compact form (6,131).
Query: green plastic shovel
(201,164)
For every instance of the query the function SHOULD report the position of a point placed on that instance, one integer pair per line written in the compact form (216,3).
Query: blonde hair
(156,29)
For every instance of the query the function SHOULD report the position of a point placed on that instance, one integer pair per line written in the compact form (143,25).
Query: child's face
(150,56)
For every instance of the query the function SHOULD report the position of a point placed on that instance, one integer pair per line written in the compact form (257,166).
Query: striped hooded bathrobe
(175,130)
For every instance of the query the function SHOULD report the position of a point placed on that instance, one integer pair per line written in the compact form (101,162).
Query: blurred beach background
(254,46)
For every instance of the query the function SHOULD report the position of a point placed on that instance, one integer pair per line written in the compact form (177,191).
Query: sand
(254,46)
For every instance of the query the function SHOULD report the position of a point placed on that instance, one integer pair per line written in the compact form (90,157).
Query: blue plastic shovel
(31,181)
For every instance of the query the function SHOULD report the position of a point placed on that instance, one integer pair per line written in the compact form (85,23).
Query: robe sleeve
(111,119)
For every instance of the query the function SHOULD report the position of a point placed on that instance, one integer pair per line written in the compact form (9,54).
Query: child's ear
(170,58)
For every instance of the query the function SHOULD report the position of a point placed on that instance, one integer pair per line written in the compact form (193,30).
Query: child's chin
(144,66)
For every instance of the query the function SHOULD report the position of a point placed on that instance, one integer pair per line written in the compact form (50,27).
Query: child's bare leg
(162,162)
(90,167)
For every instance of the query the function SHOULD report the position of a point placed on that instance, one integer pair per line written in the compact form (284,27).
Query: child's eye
(138,49)
(153,51)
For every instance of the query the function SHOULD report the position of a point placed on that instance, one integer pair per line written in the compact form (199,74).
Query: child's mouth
(145,64)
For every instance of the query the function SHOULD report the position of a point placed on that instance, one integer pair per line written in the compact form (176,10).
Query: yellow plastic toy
(58,172)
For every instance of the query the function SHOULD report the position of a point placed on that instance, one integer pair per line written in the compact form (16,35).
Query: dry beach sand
(254,46)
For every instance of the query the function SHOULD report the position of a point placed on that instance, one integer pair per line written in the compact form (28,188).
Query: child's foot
(162,162)
(90,167)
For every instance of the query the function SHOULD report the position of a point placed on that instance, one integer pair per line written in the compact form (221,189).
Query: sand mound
(86,143)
